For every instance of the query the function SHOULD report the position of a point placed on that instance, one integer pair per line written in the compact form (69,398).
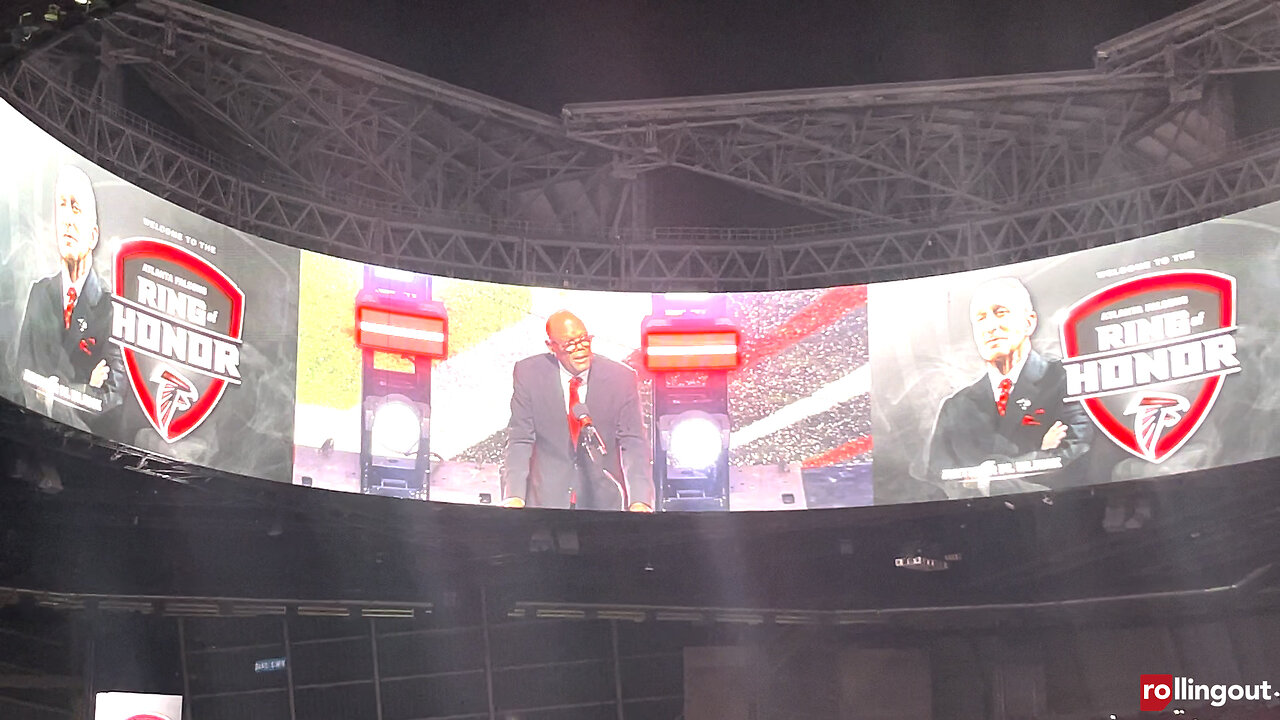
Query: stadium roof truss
(892,154)
(303,143)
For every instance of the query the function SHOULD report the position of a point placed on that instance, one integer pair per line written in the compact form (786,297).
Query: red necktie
(71,304)
(1003,401)
(575,425)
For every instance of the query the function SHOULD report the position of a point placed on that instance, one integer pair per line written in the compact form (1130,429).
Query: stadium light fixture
(93,8)
(28,29)
(35,27)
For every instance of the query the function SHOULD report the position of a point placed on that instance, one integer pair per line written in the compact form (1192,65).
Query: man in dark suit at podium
(547,462)
(70,368)
(1014,413)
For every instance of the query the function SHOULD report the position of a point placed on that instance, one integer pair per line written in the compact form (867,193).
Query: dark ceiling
(544,55)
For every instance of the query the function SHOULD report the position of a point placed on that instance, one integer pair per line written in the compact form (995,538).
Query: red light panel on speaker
(675,346)
(417,330)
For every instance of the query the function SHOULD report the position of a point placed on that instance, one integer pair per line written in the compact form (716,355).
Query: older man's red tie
(71,305)
(1003,400)
(575,397)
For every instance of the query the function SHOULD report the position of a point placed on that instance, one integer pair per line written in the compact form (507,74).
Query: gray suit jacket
(542,466)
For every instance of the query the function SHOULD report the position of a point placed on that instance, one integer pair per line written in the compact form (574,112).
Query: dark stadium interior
(1043,578)
(119,532)
(121,569)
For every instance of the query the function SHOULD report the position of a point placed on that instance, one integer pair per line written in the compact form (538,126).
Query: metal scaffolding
(1215,37)
(899,154)
(302,143)
(319,120)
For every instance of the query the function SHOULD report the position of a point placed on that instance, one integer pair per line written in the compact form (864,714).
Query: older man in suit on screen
(70,368)
(553,459)
(1011,427)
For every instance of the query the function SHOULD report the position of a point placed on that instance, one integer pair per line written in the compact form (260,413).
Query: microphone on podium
(594,443)
(589,434)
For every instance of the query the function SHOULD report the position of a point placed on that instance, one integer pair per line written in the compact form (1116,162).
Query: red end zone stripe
(851,449)
(823,312)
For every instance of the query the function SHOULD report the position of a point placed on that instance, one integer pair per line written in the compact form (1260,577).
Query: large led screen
(133,319)
(789,421)
(1136,360)
(139,321)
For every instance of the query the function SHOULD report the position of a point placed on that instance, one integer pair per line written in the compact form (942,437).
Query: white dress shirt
(565,377)
(67,285)
(995,376)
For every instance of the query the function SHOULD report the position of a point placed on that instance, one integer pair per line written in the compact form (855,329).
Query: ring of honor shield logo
(178,321)
(1148,356)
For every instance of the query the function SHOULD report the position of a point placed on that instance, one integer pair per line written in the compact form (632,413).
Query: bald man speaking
(553,458)
(1012,423)
(70,368)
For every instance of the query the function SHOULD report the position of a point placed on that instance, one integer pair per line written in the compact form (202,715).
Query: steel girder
(319,121)
(944,176)
(900,153)
(907,152)
(322,122)
(1214,37)
(508,251)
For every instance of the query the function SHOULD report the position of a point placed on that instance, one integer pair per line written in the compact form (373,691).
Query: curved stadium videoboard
(181,337)
(145,324)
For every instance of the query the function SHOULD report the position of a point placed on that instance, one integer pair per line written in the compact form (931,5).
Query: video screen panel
(1141,359)
(131,318)
(128,317)
(794,426)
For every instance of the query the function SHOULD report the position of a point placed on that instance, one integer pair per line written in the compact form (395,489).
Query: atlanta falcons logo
(1154,413)
(174,393)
